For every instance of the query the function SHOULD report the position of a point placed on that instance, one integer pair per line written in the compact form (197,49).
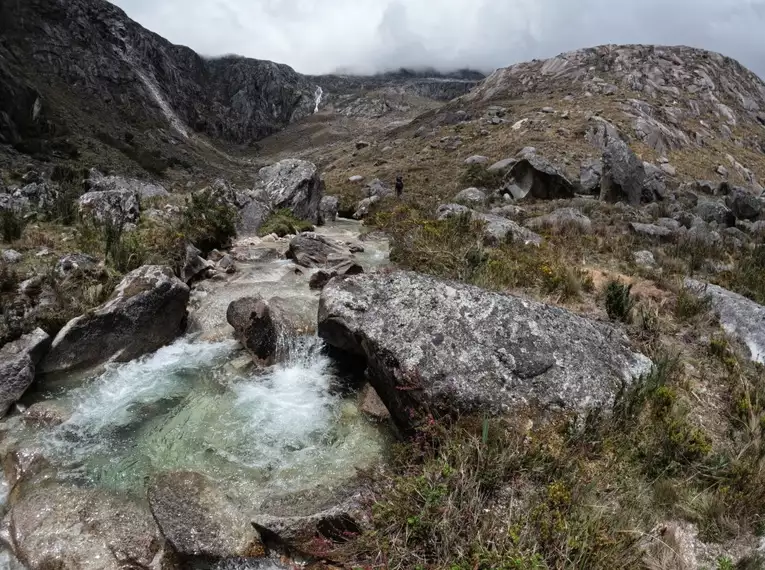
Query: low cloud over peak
(321,36)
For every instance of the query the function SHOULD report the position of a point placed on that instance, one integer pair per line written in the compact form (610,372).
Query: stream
(200,404)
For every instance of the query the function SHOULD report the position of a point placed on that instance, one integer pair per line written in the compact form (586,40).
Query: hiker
(399,186)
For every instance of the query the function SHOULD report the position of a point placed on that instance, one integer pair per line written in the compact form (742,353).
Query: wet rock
(293,184)
(651,231)
(117,207)
(11,256)
(590,173)
(539,178)
(194,265)
(743,204)
(46,414)
(460,349)
(715,211)
(623,172)
(146,311)
(314,250)
(364,207)
(476,159)
(197,519)
(22,464)
(252,216)
(644,258)
(57,526)
(227,264)
(739,316)
(215,256)
(320,279)
(471,197)
(18,362)
(328,208)
(562,219)
(263,326)
(97,182)
(371,405)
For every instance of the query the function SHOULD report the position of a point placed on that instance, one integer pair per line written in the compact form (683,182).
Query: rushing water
(199,405)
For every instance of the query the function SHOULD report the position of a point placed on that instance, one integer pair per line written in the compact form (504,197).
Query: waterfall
(319,93)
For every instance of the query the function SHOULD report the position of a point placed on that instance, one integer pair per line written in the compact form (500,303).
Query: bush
(64,209)
(283,222)
(480,176)
(619,301)
(690,304)
(12,223)
(207,222)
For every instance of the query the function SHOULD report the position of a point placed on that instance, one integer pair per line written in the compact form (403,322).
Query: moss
(283,223)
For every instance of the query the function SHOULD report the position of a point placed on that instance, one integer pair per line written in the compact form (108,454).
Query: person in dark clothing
(399,186)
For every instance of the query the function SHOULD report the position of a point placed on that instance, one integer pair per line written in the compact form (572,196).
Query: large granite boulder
(293,184)
(18,360)
(118,207)
(472,197)
(265,327)
(623,172)
(715,211)
(744,204)
(146,311)
(539,178)
(53,525)
(441,347)
(97,182)
(328,208)
(197,518)
(739,316)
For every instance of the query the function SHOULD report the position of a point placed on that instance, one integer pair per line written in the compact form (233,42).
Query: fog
(364,36)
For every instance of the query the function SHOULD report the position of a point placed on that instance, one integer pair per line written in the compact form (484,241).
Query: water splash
(318,95)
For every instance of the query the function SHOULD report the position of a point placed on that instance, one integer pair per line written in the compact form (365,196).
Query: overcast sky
(320,36)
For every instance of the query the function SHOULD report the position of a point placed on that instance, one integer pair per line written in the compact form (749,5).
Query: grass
(12,223)
(619,301)
(283,223)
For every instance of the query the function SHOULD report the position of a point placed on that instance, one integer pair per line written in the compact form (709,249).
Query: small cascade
(318,95)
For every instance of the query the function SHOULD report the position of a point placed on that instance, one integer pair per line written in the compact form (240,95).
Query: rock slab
(18,360)
(146,311)
(442,347)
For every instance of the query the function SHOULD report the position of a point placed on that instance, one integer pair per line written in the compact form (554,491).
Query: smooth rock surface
(314,250)
(739,316)
(540,179)
(471,197)
(442,347)
(146,311)
(197,519)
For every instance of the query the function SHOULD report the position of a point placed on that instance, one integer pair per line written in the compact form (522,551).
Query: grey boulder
(310,249)
(590,173)
(117,207)
(539,178)
(100,183)
(18,360)
(252,216)
(197,518)
(744,204)
(194,265)
(146,311)
(476,159)
(444,348)
(715,211)
(365,206)
(498,229)
(623,172)
(293,184)
(562,219)
(739,316)
(445,211)
(472,197)
(328,208)
(11,256)
(264,327)
(651,231)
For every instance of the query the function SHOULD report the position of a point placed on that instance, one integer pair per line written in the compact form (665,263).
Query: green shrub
(207,222)
(283,222)
(691,304)
(748,277)
(64,208)
(64,173)
(619,301)
(12,223)
(480,176)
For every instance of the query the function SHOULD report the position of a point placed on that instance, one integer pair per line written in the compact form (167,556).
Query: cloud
(321,36)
